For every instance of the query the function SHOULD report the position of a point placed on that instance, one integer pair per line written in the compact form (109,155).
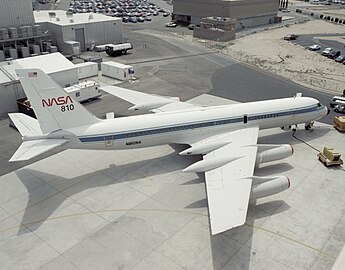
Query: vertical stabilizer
(53,107)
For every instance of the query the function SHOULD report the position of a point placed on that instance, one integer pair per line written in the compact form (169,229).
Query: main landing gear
(286,128)
(308,126)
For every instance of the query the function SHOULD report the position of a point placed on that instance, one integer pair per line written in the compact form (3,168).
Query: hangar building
(64,72)
(248,13)
(74,33)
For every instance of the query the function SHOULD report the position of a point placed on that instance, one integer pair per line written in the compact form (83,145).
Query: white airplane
(226,136)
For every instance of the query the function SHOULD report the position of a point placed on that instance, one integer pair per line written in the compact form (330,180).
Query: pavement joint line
(46,198)
(104,211)
(292,240)
(171,58)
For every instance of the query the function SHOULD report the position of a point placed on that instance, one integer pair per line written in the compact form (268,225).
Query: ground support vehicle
(329,157)
(118,49)
(339,123)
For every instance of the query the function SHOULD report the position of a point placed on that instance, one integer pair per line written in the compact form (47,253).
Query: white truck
(84,91)
(118,49)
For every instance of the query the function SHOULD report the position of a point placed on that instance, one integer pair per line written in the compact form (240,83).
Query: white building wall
(10,93)
(87,69)
(68,32)
(16,13)
(113,32)
(94,32)
(65,78)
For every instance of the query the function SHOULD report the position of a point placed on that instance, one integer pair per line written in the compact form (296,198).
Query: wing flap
(153,103)
(229,186)
(31,149)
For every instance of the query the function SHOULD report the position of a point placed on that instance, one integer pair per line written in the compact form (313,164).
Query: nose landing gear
(309,126)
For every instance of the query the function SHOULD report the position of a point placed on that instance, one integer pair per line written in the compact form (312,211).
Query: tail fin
(54,108)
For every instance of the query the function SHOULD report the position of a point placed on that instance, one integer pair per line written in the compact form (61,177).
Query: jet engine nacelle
(278,184)
(275,153)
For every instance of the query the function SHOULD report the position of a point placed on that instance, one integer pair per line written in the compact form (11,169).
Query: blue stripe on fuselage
(181,127)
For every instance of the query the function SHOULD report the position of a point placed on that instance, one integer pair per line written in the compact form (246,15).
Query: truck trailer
(118,49)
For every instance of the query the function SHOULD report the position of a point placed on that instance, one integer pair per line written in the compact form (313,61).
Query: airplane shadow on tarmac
(43,201)
(224,255)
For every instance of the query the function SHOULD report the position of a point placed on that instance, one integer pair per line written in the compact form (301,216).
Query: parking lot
(325,41)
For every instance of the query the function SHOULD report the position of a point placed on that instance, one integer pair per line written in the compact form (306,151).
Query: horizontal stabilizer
(31,149)
(26,125)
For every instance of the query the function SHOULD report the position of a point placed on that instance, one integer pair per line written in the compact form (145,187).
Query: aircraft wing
(228,174)
(153,103)
(31,149)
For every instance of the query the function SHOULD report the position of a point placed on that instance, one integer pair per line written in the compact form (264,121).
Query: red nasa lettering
(57,101)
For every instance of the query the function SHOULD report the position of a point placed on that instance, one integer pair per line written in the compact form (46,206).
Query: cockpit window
(319,104)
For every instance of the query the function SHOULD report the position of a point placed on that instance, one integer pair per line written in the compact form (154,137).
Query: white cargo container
(84,91)
(2,56)
(35,49)
(53,49)
(13,53)
(87,69)
(25,52)
(117,70)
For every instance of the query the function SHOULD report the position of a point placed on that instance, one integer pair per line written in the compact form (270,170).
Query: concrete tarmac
(136,210)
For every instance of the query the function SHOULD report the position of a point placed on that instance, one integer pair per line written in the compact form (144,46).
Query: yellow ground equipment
(329,157)
(339,123)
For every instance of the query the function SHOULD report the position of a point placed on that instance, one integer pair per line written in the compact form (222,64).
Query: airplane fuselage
(180,126)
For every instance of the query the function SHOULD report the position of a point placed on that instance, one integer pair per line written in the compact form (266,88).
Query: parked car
(340,59)
(166,14)
(326,51)
(291,37)
(170,24)
(336,100)
(340,108)
(334,54)
(314,47)
(133,19)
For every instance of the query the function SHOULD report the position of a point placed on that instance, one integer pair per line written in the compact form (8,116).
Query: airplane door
(108,141)
(245,119)
(293,115)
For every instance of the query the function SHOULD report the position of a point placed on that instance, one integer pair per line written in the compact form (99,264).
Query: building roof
(49,63)
(60,17)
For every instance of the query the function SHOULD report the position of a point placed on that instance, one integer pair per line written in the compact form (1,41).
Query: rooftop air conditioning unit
(71,21)
(57,19)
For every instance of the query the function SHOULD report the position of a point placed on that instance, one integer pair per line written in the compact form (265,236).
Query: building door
(80,37)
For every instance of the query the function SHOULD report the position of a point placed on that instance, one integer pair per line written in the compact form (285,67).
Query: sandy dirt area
(268,50)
